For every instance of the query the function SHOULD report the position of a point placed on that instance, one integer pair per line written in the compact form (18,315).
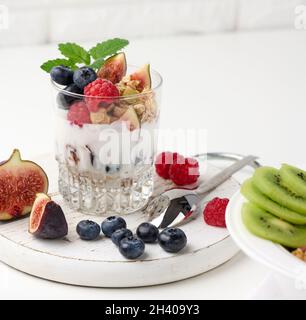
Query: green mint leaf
(48,65)
(72,64)
(97,64)
(108,48)
(74,52)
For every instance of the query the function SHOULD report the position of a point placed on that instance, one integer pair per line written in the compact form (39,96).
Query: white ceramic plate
(271,254)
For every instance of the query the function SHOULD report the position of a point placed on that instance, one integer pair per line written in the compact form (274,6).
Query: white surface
(99,263)
(278,287)
(233,77)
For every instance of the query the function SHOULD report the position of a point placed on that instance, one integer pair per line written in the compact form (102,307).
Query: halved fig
(47,219)
(143,75)
(20,181)
(114,68)
(131,119)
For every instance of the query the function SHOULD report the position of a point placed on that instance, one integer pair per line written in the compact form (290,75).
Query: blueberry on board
(147,232)
(83,76)
(172,240)
(111,224)
(65,100)
(131,247)
(62,75)
(120,234)
(88,230)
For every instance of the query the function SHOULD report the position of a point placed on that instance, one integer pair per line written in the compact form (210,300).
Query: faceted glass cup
(106,157)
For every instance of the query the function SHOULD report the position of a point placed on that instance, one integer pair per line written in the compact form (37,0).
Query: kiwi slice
(265,225)
(269,182)
(259,199)
(294,178)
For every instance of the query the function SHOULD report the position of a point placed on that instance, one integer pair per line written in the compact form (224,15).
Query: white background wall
(42,21)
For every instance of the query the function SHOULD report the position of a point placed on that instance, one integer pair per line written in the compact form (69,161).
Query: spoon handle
(224,175)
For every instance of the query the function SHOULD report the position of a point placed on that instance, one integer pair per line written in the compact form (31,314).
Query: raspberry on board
(100,92)
(164,161)
(214,212)
(185,173)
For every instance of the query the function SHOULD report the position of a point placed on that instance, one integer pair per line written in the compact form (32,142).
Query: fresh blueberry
(119,234)
(131,247)
(172,240)
(65,100)
(88,230)
(111,224)
(83,76)
(62,75)
(147,232)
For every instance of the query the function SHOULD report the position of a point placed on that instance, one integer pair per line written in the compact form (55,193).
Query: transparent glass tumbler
(105,147)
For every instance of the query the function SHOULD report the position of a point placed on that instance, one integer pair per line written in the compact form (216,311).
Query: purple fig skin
(53,224)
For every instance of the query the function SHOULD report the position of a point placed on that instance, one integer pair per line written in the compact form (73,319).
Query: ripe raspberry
(164,161)
(100,92)
(78,114)
(214,212)
(186,173)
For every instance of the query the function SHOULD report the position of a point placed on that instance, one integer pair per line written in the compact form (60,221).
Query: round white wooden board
(99,263)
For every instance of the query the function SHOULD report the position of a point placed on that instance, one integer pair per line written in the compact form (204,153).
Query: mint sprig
(74,52)
(48,65)
(108,48)
(76,56)
(97,64)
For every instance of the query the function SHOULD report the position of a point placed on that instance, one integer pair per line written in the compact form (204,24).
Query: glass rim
(132,96)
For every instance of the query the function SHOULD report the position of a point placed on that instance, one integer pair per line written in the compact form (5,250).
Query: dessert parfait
(106,118)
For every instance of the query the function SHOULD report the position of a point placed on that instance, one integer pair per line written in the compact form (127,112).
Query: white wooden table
(247,89)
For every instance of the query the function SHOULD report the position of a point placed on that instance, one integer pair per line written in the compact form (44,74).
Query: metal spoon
(176,207)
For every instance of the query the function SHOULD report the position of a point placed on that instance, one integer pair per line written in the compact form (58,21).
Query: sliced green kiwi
(294,178)
(269,182)
(259,199)
(265,225)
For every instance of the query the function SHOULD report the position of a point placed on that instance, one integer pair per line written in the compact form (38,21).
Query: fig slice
(131,119)
(20,181)
(143,76)
(47,219)
(114,68)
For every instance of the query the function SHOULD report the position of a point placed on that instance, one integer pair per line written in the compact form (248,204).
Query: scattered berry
(88,230)
(78,114)
(99,93)
(111,224)
(147,232)
(83,76)
(214,212)
(64,99)
(164,161)
(184,174)
(131,247)
(172,240)
(120,234)
(62,75)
